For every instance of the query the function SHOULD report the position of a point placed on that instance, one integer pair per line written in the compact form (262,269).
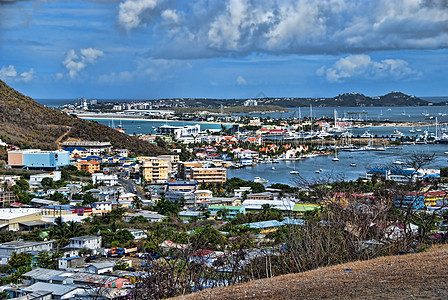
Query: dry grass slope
(417,276)
(28,124)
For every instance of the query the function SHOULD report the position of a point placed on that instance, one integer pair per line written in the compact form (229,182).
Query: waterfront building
(178,132)
(38,159)
(209,175)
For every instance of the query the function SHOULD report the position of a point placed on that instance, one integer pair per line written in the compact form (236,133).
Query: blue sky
(149,49)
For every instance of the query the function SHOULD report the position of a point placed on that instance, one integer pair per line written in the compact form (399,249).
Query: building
(189,130)
(70,262)
(232,211)
(398,175)
(92,242)
(178,196)
(107,179)
(94,148)
(155,169)
(10,180)
(283,204)
(184,169)
(6,198)
(239,192)
(88,166)
(180,185)
(172,160)
(38,159)
(137,233)
(6,249)
(151,216)
(203,196)
(15,219)
(77,152)
(100,267)
(260,196)
(35,180)
(209,175)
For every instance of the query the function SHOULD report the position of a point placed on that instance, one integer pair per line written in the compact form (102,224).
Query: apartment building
(155,169)
(209,175)
(184,169)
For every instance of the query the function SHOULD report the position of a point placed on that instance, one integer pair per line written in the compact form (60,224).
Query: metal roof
(55,289)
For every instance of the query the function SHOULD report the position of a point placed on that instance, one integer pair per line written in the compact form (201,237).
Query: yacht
(335,158)
(366,134)
(260,180)
(353,165)
(397,134)
(273,168)
(398,162)
(294,172)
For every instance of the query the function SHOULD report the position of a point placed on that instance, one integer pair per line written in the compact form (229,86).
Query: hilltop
(422,276)
(28,124)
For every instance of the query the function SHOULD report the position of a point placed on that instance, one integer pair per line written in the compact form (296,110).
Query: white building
(107,179)
(92,242)
(185,131)
(35,180)
(138,233)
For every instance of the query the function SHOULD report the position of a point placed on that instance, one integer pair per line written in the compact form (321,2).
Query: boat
(397,134)
(398,162)
(294,172)
(275,161)
(366,134)
(335,158)
(318,171)
(260,180)
(273,168)
(353,165)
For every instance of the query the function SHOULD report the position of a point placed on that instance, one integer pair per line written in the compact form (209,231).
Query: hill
(28,124)
(422,276)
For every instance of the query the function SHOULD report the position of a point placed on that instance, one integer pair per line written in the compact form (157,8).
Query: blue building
(38,159)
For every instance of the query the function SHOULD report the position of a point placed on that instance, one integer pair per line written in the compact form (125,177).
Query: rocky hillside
(413,276)
(28,124)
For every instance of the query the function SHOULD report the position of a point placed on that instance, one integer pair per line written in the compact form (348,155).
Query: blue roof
(71,149)
(70,258)
(291,221)
(93,157)
(264,224)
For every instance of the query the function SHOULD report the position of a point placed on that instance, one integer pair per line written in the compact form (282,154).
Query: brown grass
(417,276)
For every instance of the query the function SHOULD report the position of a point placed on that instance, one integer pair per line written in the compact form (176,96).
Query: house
(260,196)
(57,291)
(70,262)
(101,207)
(88,166)
(180,185)
(239,192)
(232,211)
(100,267)
(137,233)
(283,204)
(92,242)
(149,215)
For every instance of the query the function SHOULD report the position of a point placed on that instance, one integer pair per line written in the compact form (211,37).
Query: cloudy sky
(149,49)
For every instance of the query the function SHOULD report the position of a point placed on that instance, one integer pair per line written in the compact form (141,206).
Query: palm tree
(137,202)
(74,229)
(59,232)
(222,214)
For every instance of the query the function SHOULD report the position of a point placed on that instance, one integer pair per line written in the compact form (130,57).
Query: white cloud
(9,73)
(131,12)
(239,27)
(74,62)
(362,66)
(241,81)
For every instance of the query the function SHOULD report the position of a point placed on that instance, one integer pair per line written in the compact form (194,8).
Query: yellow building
(154,169)
(209,175)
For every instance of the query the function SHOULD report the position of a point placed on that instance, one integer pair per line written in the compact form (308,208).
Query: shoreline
(130,118)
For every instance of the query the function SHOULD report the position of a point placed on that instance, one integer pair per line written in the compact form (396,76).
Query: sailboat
(294,171)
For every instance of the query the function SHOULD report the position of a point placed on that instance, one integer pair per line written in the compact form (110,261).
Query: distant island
(266,104)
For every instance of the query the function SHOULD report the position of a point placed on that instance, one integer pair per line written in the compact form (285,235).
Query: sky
(152,49)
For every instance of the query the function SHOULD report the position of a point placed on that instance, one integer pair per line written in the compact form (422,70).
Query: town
(90,221)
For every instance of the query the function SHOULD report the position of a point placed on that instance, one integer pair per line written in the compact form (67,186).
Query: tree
(74,229)
(48,260)
(222,214)
(20,260)
(46,182)
(88,198)
(59,232)
(137,202)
